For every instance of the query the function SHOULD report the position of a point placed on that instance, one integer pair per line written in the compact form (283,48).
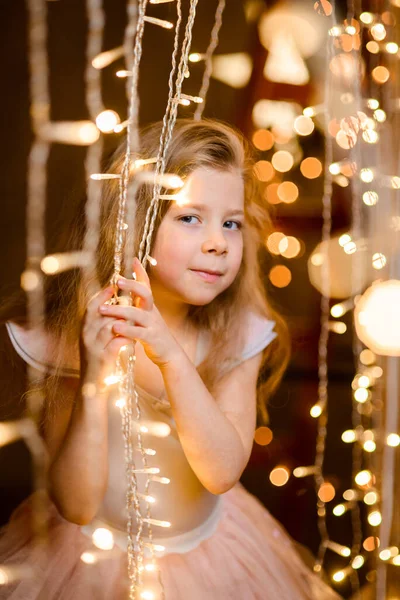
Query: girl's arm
(78,438)
(78,450)
(216,433)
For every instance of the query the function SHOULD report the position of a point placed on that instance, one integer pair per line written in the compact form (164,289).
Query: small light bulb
(358,562)
(107,120)
(393,440)
(316,411)
(339,510)
(375,518)
(363,477)
(366,175)
(349,436)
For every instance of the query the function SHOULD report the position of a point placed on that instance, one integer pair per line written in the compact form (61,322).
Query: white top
(193,511)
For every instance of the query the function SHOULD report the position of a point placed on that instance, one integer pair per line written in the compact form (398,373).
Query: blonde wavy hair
(214,145)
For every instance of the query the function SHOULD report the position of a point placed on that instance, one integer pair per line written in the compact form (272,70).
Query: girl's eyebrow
(205,208)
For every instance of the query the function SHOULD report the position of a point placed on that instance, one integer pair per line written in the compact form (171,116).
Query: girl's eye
(237,223)
(187,217)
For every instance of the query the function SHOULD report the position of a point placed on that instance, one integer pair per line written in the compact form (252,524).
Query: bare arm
(78,439)
(216,433)
(79,469)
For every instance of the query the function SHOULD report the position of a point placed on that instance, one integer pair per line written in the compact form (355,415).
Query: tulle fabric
(249,557)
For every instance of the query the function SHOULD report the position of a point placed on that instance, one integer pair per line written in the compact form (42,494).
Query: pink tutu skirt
(249,557)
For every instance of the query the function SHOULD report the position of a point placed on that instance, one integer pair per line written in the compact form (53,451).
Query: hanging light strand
(32,279)
(324,335)
(208,59)
(357,273)
(96,20)
(170,123)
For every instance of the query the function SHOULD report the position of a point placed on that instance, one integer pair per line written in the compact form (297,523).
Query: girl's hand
(99,345)
(142,321)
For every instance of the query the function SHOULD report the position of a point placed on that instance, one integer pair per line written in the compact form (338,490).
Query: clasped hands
(109,327)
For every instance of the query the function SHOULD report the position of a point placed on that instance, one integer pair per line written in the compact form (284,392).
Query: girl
(209,349)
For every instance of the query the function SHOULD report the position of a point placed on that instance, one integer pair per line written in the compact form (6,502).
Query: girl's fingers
(140,272)
(114,346)
(99,299)
(105,333)
(129,313)
(138,288)
(133,332)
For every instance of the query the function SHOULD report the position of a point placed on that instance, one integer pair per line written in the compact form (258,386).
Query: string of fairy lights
(88,133)
(364,46)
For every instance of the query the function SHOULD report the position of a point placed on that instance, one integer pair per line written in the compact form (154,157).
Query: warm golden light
(380,74)
(370,198)
(372,47)
(380,115)
(371,543)
(376,319)
(379,260)
(282,161)
(338,327)
(363,477)
(111,379)
(378,32)
(350,495)
(372,103)
(344,239)
(367,18)
(361,395)
(271,193)
(107,120)
(346,139)
(103,538)
(393,440)
(349,436)
(369,446)
(316,411)
(370,498)
(366,175)
(273,242)
(280,276)
(88,558)
(288,192)
(279,476)
(338,576)
(263,139)
(358,562)
(303,125)
(370,136)
(311,167)
(264,170)
(375,518)
(290,247)
(326,492)
(367,357)
(392,48)
(339,510)
(104,59)
(263,436)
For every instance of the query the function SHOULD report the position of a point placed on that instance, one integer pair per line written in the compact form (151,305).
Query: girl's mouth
(210,277)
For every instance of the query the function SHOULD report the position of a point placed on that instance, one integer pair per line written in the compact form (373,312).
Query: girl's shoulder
(41,349)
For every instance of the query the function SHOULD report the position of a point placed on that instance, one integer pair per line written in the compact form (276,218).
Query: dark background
(294,430)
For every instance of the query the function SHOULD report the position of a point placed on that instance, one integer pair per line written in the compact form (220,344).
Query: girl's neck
(174,313)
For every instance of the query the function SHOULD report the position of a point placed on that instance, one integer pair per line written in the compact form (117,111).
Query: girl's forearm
(78,475)
(210,441)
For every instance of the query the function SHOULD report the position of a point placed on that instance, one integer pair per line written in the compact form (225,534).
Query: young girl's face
(203,233)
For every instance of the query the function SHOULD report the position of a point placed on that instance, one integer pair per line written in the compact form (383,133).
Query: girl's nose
(215,243)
